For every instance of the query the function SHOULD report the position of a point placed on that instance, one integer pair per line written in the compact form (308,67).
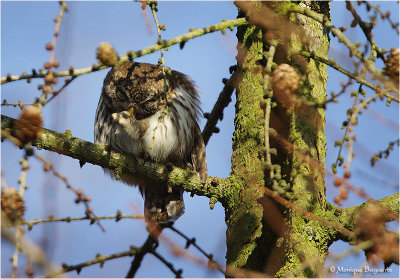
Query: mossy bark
(309,240)
(244,218)
(87,152)
(253,242)
(250,239)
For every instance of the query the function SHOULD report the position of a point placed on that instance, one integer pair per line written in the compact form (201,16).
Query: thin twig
(333,64)
(79,193)
(267,110)
(192,241)
(307,214)
(178,273)
(387,15)
(56,93)
(134,54)
(354,51)
(47,88)
(19,231)
(236,272)
(70,219)
(153,6)
(222,102)
(289,147)
(98,260)
(148,246)
(352,250)
(161,61)
(31,250)
(339,158)
(334,96)
(14,258)
(385,152)
(352,122)
(180,252)
(367,29)
(5,133)
(57,30)
(20,104)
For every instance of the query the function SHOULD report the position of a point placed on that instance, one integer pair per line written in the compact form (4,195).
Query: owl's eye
(151,99)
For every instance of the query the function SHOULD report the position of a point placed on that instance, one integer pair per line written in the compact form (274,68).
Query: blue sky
(25,29)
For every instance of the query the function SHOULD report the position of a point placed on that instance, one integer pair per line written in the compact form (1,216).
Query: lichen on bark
(249,239)
(307,135)
(244,217)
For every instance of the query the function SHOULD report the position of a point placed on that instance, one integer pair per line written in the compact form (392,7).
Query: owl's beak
(131,111)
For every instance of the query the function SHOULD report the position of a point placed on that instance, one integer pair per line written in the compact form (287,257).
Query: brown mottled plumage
(134,117)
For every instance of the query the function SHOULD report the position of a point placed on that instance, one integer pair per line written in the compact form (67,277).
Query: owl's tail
(160,206)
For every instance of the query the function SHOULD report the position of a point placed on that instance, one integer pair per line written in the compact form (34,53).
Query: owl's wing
(198,155)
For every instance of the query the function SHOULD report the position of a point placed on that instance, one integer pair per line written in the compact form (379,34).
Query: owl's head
(135,85)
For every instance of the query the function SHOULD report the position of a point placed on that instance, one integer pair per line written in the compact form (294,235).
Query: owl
(154,116)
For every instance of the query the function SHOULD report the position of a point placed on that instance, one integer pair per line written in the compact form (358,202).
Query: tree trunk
(261,235)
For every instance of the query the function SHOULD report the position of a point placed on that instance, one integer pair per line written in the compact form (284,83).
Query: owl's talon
(146,157)
(121,115)
(169,166)
(123,118)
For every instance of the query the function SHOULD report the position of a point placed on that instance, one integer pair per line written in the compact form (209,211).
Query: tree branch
(217,112)
(333,64)
(51,219)
(354,51)
(87,152)
(148,246)
(134,54)
(98,260)
(34,252)
(389,203)
(192,241)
